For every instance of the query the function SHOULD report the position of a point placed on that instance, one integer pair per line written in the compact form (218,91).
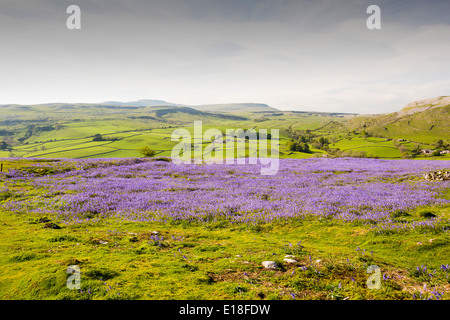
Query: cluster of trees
(349,153)
(240,134)
(51,140)
(365,134)
(321,143)
(417,150)
(441,145)
(298,146)
(303,136)
(99,137)
(4,145)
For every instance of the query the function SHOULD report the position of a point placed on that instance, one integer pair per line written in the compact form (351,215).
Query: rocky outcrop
(438,175)
(270,264)
(422,105)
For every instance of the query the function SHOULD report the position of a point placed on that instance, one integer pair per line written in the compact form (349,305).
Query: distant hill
(424,105)
(215,108)
(227,107)
(174,111)
(235,107)
(67,129)
(425,121)
(142,103)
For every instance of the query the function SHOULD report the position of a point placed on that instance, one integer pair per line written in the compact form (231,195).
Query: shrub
(426,214)
(164,159)
(98,137)
(239,289)
(400,213)
(147,152)
(63,238)
(6,194)
(101,273)
(22,257)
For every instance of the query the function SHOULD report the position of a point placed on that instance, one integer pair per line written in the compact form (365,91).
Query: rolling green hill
(423,121)
(228,107)
(67,130)
(236,107)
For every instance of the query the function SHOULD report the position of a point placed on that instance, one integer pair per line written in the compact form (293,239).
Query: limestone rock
(290,260)
(270,264)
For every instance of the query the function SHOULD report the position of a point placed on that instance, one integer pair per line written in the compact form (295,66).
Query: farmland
(67,131)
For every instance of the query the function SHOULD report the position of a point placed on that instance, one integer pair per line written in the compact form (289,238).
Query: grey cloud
(290,53)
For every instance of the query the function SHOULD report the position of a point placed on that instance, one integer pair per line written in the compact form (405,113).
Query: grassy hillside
(67,130)
(425,126)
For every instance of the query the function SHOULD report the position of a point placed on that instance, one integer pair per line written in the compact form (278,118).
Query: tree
(304,146)
(436,153)
(291,145)
(298,146)
(416,150)
(3,145)
(147,152)
(440,144)
(98,137)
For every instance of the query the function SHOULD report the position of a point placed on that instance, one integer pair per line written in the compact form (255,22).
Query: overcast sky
(292,54)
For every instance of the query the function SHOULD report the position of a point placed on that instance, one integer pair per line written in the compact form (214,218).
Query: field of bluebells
(216,223)
(366,191)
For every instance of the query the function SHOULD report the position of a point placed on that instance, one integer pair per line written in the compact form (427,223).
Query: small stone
(290,260)
(238,256)
(318,261)
(102,242)
(155,233)
(289,256)
(431,240)
(270,264)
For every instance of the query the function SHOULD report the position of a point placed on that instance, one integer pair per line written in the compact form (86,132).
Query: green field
(67,131)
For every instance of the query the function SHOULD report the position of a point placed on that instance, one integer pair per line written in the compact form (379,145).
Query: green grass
(215,261)
(75,125)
